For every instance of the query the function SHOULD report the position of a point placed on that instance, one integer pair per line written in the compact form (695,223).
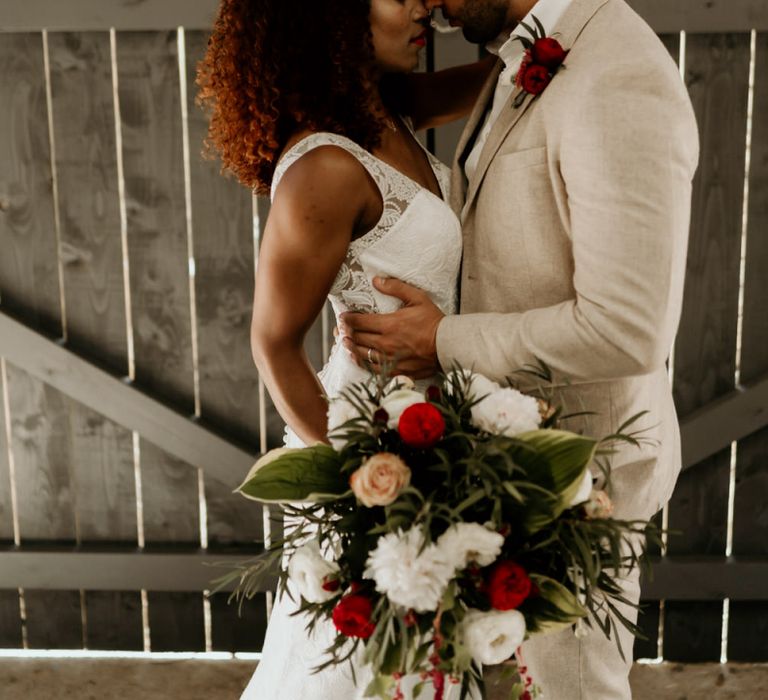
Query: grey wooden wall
(130,405)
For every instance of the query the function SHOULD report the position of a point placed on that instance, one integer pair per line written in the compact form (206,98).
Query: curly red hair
(274,67)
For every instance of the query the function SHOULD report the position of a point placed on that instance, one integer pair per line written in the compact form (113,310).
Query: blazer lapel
(468,136)
(567,31)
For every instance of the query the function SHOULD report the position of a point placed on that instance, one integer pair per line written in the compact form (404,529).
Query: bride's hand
(406,337)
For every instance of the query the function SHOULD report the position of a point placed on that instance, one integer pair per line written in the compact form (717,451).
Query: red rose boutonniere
(544,56)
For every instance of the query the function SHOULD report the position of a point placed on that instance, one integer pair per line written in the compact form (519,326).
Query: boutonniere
(544,57)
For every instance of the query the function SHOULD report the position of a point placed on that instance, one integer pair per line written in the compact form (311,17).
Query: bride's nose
(421,12)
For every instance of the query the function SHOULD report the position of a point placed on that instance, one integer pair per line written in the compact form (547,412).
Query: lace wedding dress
(417,240)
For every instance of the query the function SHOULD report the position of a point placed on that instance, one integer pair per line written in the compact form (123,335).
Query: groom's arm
(627,158)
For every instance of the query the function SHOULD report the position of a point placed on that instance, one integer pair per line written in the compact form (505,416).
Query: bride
(315,103)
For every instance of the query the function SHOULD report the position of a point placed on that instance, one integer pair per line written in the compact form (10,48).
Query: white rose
(585,489)
(407,574)
(493,637)
(470,542)
(507,412)
(340,411)
(599,505)
(396,402)
(307,569)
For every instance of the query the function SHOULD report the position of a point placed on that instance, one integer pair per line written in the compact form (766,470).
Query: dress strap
(323,138)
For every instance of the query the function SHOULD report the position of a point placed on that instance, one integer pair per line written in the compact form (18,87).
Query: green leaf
(555,459)
(563,607)
(381,686)
(309,474)
(542,30)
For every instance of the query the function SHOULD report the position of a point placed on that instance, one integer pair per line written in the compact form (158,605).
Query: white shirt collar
(510,50)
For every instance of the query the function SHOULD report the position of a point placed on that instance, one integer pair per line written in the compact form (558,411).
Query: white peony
(585,489)
(307,569)
(470,542)
(507,412)
(341,410)
(478,386)
(408,575)
(493,637)
(396,402)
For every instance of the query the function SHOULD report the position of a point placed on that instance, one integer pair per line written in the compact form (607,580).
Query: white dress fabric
(418,240)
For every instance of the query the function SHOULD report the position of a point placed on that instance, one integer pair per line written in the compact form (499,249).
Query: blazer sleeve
(627,153)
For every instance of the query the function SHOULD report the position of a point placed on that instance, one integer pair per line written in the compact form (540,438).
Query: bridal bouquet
(439,530)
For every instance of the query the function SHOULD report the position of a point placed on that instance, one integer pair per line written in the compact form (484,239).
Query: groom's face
(480,20)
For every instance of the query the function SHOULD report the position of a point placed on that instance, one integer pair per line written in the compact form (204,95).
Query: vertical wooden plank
(175,618)
(231,632)
(10,620)
(717,72)
(92,271)
(86,163)
(29,280)
(6,504)
(222,211)
(451,50)
(60,607)
(42,453)
(112,621)
(153,158)
(748,629)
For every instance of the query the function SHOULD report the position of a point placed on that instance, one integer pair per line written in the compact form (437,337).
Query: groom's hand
(406,337)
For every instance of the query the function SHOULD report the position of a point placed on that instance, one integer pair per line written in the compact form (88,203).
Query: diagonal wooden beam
(717,425)
(122,402)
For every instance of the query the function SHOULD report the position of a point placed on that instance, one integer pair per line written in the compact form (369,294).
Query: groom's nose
(432,4)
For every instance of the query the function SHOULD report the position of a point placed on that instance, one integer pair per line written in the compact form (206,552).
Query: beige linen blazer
(575,238)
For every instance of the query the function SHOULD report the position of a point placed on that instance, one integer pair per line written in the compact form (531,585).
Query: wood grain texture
(86,163)
(149,94)
(749,621)
(28,265)
(153,156)
(717,75)
(42,453)
(53,619)
(222,211)
(114,621)
(10,620)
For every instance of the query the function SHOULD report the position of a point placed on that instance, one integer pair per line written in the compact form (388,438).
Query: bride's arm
(314,212)
(432,99)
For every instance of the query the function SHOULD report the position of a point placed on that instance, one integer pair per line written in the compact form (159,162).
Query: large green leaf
(306,475)
(554,608)
(554,460)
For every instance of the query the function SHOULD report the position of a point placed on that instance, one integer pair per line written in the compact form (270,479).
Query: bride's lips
(421,39)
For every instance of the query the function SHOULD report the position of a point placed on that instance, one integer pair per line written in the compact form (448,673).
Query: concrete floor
(86,679)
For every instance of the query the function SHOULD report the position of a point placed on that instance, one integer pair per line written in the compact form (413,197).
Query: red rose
(508,585)
(549,53)
(421,425)
(535,79)
(352,616)
(433,393)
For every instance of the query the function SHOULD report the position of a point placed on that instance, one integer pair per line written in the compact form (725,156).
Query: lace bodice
(417,240)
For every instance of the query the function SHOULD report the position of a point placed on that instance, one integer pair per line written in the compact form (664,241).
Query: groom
(575,205)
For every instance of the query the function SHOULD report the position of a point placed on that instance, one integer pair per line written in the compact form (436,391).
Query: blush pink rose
(379,481)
